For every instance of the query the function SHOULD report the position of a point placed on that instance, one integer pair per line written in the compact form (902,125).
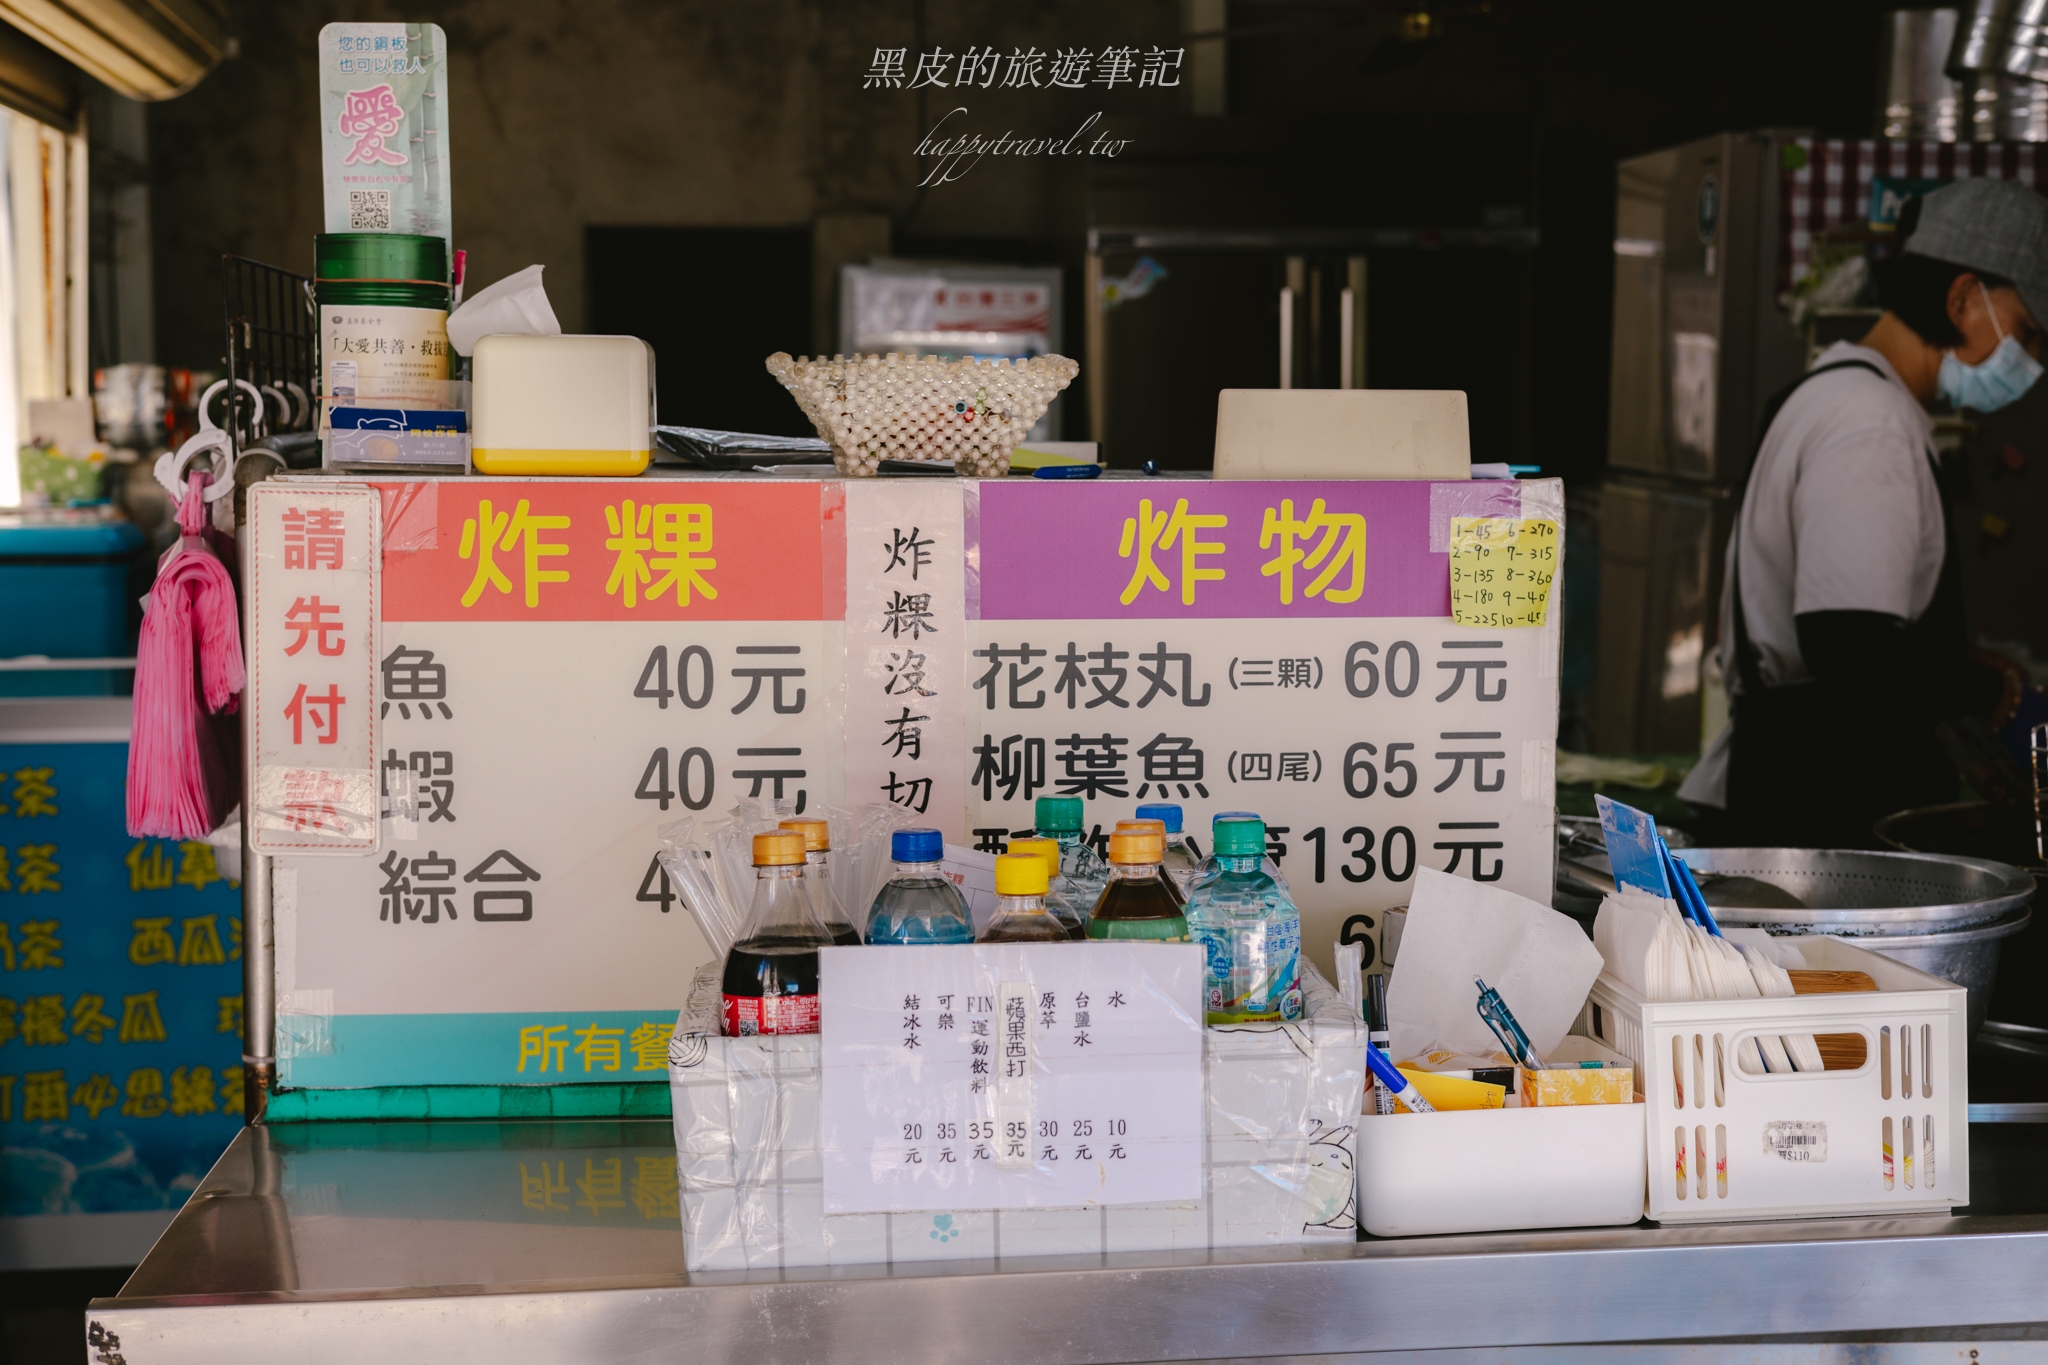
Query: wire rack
(269,316)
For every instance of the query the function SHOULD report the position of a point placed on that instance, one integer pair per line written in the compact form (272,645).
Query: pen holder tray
(1887,1134)
(1495,1170)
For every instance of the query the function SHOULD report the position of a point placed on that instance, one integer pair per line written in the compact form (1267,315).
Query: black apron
(1816,765)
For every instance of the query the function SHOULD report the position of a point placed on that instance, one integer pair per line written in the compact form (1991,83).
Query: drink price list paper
(1011,1076)
(1501,570)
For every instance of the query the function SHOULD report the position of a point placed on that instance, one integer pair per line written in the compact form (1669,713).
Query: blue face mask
(1993,382)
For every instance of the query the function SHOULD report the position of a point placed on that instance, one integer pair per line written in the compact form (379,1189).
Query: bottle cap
(1021,874)
(778,848)
(1048,849)
(1061,813)
(1241,838)
(1131,848)
(1221,816)
(917,846)
(1165,811)
(1135,826)
(817,834)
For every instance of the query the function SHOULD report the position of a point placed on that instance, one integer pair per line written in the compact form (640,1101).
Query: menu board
(567,665)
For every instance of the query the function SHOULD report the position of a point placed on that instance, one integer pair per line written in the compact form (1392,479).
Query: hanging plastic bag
(184,760)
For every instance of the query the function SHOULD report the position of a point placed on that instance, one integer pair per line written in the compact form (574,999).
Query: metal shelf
(524,1242)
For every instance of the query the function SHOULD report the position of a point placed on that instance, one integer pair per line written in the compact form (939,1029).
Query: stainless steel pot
(1968,957)
(1855,893)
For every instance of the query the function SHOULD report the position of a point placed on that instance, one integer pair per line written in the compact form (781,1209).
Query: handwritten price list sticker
(1501,569)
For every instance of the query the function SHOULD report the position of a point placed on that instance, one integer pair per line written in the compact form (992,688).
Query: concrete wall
(566,113)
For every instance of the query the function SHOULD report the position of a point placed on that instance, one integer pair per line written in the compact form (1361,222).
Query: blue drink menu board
(120,994)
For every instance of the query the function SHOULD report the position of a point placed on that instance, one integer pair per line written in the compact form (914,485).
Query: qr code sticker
(369,210)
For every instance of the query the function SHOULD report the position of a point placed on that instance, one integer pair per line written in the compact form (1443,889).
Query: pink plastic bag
(184,762)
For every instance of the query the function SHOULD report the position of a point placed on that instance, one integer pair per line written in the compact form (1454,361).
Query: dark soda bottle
(1021,915)
(1136,903)
(818,879)
(771,974)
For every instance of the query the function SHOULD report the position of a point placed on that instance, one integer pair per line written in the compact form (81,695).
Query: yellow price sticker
(1501,570)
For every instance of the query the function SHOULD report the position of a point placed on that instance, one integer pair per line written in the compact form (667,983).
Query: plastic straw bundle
(711,862)
(181,763)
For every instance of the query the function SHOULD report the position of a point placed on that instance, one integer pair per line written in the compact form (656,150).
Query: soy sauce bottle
(1021,916)
(771,974)
(1136,903)
(824,897)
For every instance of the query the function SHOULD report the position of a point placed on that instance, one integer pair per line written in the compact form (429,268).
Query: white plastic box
(1282,1100)
(1891,1136)
(1494,1170)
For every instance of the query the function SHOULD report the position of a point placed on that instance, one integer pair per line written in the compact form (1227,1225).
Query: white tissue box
(1277,1168)
(562,405)
(1891,1136)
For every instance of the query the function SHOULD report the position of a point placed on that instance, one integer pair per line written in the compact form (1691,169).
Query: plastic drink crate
(1888,1136)
(1282,1103)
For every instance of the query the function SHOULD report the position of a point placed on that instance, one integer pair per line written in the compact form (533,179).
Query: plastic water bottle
(918,904)
(1056,901)
(1081,867)
(1183,861)
(1138,903)
(1021,916)
(817,877)
(771,975)
(1212,864)
(1250,932)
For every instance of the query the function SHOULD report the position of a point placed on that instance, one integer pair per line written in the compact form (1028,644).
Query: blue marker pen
(1402,1089)
(1067,471)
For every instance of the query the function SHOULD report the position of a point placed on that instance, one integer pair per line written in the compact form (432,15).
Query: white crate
(1727,1145)
(1282,1099)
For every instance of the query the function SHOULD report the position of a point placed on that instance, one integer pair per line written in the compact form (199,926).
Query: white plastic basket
(1891,1136)
(1493,1170)
(1283,1104)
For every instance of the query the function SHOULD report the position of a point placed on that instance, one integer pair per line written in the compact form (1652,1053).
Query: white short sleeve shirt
(1842,514)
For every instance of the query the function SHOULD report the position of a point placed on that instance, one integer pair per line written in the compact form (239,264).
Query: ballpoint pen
(1400,1087)
(1501,1020)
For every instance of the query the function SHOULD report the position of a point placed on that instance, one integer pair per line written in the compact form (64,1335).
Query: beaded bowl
(871,408)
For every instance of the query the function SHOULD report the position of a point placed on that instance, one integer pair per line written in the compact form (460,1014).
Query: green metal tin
(394,269)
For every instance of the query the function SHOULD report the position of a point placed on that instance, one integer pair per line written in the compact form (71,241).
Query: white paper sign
(313,619)
(1010,1076)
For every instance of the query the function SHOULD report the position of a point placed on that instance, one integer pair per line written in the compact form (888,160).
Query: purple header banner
(1164,549)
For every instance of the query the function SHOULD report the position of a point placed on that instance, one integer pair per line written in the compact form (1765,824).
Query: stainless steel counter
(529,1242)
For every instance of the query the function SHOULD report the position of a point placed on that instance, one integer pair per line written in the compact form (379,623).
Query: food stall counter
(559,1241)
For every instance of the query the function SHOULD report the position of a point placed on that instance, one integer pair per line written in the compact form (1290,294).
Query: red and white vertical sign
(312,591)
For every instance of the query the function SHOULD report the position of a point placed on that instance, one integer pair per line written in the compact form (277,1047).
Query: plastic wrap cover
(1283,1102)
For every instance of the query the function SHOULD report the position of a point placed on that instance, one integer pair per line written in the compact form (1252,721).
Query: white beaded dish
(871,408)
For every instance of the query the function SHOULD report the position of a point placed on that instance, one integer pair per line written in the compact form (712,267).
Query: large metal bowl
(1855,894)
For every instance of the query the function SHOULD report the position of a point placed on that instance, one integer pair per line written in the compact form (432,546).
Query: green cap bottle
(1058,814)
(1239,838)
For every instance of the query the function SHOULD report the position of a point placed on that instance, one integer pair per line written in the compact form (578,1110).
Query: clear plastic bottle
(1021,915)
(1137,903)
(1057,901)
(918,904)
(771,974)
(1250,932)
(818,879)
(1082,868)
(1157,827)
(1211,864)
(1183,861)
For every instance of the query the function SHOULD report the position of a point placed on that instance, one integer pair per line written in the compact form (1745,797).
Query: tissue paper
(515,305)
(1540,961)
